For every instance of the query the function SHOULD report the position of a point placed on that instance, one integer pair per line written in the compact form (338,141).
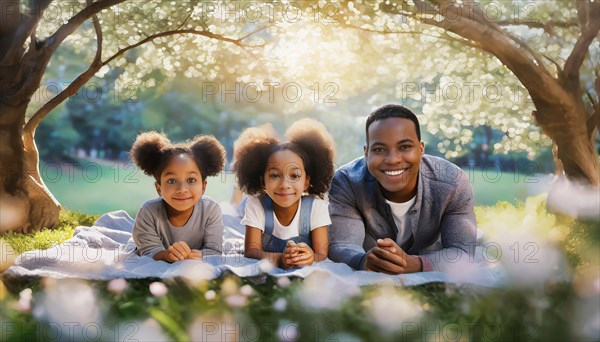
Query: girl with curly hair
(180,224)
(286,217)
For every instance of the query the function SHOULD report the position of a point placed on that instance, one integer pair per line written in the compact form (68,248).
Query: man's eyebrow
(403,141)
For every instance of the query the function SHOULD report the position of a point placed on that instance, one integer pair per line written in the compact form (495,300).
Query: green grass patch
(47,238)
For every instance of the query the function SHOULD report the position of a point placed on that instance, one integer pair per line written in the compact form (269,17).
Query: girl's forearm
(320,257)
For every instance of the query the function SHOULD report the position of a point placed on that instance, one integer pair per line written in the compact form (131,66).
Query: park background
(84,143)
(245,63)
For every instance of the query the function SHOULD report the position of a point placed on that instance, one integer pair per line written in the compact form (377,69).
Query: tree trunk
(565,122)
(27,205)
(14,210)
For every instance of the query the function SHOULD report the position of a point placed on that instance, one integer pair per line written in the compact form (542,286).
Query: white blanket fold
(107,251)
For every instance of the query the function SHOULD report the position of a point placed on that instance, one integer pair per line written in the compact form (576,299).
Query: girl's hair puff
(251,151)
(152,151)
(318,155)
(209,154)
(148,150)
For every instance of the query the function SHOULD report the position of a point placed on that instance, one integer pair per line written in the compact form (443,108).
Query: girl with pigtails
(286,217)
(180,224)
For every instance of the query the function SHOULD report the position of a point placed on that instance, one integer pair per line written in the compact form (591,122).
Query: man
(397,210)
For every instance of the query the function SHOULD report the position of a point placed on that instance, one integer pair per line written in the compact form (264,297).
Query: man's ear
(157,186)
(422,148)
(365,149)
(204,186)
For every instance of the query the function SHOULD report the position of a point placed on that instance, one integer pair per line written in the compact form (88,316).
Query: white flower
(287,331)
(229,286)
(284,282)
(247,290)
(24,303)
(265,266)
(574,199)
(321,290)
(70,302)
(389,310)
(197,272)
(280,304)
(117,286)
(158,289)
(236,301)
(529,260)
(210,295)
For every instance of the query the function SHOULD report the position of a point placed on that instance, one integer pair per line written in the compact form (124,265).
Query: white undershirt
(255,217)
(399,211)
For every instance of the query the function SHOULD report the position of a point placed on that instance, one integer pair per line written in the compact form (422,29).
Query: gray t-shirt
(152,231)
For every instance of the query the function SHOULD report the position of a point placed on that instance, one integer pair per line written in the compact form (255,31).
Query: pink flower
(158,289)
(117,286)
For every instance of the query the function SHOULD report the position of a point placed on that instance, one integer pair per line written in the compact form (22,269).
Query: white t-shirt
(255,217)
(399,211)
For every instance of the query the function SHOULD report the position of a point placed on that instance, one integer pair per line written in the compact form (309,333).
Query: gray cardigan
(442,218)
(152,231)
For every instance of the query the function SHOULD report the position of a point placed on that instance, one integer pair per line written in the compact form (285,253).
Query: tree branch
(475,13)
(535,24)
(207,34)
(590,26)
(84,77)
(496,41)
(256,31)
(99,38)
(444,37)
(54,41)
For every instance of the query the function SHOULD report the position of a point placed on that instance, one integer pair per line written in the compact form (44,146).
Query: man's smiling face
(393,157)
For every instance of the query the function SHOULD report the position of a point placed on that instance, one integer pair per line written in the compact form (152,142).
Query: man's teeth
(394,173)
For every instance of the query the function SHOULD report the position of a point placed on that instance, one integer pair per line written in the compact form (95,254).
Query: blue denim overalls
(272,243)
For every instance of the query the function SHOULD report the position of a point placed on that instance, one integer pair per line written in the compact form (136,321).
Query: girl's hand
(299,255)
(195,255)
(288,254)
(178,251)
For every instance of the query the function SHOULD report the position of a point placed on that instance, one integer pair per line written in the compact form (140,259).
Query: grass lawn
(320,308)
(102,186)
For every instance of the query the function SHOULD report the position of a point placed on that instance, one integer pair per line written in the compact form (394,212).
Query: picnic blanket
(106,251)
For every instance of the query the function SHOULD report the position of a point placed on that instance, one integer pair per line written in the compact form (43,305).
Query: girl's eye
(273,176)
(191,180)
(171,181)
(296,176)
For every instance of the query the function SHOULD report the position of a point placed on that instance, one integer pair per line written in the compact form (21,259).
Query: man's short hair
(392,111)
